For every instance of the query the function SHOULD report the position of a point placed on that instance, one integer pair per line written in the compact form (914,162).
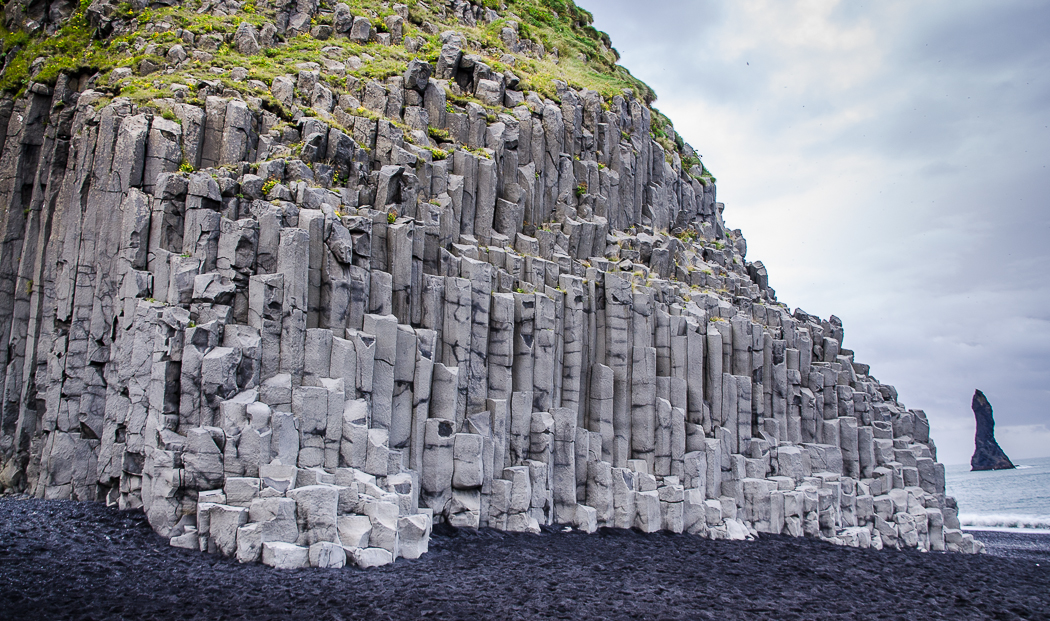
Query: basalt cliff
(300,279)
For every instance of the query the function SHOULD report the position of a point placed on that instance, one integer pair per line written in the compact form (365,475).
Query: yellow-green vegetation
(476,151)
(575,53)
(707,178)
(688,235)
(437,154)
(585,58)
(440,135)
(664,134)
(70,50)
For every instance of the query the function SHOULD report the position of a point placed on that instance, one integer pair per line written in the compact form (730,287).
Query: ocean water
(1012,499)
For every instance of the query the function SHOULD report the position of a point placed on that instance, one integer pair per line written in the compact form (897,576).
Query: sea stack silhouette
(987,454)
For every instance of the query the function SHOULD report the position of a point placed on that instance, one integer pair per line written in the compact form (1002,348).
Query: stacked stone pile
(333,335)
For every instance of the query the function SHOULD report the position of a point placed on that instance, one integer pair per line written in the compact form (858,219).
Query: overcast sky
(888,162)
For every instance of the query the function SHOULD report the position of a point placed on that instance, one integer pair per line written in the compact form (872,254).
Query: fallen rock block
(249,542)
(371,557)
(523,523)
(354,530)
(316,509)
(384,517)
(586,519)
(413,533)
(327,555)
(280,555)
(856,537)
(647,516)
(737,530)
(225,520)
(187,540)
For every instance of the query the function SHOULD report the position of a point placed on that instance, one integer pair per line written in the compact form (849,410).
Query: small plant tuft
(440,135)
(688,235)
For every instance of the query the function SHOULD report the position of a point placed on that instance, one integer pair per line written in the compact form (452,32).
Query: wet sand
(68,560)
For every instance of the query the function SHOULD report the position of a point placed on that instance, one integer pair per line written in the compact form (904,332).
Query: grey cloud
(971,35)
(934,247)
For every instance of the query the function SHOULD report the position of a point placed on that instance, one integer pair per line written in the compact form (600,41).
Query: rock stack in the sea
(987,454)
(305,340)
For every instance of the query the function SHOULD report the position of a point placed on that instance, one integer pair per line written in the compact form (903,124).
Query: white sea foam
(1041,522)
(1023,467)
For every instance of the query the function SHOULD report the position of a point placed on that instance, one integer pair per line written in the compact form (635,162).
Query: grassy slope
(585,56)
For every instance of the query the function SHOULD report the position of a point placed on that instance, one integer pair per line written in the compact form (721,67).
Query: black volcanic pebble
(68,560)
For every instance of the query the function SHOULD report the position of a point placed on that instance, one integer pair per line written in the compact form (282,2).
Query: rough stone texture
(987,455)
(329,339)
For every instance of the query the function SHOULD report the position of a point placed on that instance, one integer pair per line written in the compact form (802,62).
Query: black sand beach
(67,560)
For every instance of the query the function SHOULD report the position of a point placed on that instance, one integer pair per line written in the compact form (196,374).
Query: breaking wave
(1041,522)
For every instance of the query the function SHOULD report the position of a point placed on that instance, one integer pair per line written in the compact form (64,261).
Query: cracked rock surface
(61,559)
(300,314)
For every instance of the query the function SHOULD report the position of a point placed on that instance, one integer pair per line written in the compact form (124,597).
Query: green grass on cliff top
(585,56)
(586,59)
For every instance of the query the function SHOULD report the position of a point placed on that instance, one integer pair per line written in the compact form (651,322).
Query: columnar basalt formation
(300,322)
